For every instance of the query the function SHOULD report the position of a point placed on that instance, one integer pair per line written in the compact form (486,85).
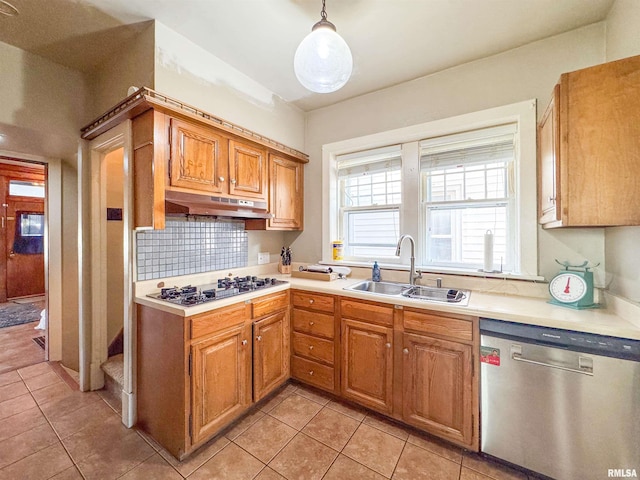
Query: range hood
(180,203)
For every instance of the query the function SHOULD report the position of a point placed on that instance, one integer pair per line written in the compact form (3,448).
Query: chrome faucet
(413,275)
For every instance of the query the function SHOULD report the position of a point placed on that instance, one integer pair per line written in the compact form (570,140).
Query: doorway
(23,305)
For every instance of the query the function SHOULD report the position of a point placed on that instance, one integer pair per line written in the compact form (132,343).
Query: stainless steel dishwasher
(561,403)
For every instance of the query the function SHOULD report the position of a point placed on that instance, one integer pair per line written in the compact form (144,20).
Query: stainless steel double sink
(418,292)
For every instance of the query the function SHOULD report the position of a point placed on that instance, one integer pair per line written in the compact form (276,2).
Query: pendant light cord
(323,13)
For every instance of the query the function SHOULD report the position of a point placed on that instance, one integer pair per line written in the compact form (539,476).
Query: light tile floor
(48,429)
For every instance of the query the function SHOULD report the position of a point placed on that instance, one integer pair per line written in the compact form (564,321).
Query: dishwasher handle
(585,364)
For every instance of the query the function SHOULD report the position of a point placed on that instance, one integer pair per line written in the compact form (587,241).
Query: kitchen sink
(417,292)
(382,288)
(449,295)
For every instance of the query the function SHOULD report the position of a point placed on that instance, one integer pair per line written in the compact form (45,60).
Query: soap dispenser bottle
(375,272)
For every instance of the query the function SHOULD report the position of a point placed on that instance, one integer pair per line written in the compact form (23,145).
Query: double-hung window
(466,192)
(369,199)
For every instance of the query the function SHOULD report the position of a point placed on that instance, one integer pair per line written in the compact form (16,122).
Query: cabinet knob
(311,372)
(405,351)
(311,301)
(244,342)
(551,199)
(311,323)
(259,337)
(310,347)
(388,345)
(233,181)
(221,179)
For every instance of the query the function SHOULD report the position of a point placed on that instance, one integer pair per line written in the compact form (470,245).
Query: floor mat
(40,341)
(12,314)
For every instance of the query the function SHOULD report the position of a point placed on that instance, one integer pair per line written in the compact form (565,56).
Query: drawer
(266,305)
(219,319)
(431,323)
(367,312)
(313,323)
(313,301)
(312,347)
(312,373)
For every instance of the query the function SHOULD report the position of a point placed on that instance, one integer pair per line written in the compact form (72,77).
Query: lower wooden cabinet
(270,353)
(220,381)
(437,386)
(367,364)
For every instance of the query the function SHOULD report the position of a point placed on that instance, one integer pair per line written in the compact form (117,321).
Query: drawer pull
(311,301)
(259,337)
(388,345)
(310,347)
(311,323)
(405,351)
(244,342)
(311,372)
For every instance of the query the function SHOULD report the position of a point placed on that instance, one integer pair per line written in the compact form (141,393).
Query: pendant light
(323,61)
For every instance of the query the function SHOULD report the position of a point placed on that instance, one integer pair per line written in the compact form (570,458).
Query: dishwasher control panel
(569,339)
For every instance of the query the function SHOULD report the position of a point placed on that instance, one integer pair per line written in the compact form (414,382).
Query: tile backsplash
(188,246)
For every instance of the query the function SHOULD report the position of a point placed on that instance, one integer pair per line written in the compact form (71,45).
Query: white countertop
(618,319)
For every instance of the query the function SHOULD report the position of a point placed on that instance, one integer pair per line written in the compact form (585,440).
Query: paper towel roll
(488,251)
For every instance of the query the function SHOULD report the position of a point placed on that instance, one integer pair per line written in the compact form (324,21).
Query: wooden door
(220,391)
(247,170)
(286,200)
(270,353)
(437,386)
(548,168)
(367,364)
(198,158)
(24,247)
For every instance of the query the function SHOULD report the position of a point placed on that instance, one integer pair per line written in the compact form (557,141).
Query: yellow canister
(338,246)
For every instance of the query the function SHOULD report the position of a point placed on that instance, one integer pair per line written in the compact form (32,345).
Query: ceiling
(392,41)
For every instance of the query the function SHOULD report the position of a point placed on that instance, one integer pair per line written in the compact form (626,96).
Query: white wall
(527,72)
(43,109)
(622,251)
(188,73)
(133,65)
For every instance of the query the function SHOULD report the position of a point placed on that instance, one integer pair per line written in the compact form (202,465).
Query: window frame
(526,232)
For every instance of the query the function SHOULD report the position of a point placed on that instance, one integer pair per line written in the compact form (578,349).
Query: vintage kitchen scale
(573,287)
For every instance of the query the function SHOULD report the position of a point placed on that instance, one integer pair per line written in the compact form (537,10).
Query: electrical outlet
(263,257)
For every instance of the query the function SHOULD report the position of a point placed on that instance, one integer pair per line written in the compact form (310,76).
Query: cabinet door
(220,390)
(367,364)
(247,170)
(437,387)
(270,353)
(286,201)
(199,158)
(548,163)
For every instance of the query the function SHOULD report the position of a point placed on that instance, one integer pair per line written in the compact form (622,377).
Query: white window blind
(369,198)
(466,189)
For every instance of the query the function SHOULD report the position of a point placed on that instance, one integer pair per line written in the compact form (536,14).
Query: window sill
(439,270)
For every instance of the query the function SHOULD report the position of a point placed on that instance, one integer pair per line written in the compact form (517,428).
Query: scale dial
(568,287)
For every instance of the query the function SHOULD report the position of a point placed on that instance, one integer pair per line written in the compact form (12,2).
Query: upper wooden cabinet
(247,170)
(199,158)
(204,160)
(589,148)
(286,196)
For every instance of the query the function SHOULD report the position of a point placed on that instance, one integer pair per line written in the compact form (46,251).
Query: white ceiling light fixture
(323,61)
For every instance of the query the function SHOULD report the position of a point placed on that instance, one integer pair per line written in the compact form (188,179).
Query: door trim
(93,281)
(53,248)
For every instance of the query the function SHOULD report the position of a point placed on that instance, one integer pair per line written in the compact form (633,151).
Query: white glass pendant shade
(323,61)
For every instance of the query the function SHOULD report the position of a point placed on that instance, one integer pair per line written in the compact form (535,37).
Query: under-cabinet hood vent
(179,203)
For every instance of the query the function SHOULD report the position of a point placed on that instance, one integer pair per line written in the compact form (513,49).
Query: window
(23,188)
(369,198)
(466,191)
(445,183)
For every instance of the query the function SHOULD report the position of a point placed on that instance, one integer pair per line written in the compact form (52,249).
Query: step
(113,370)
